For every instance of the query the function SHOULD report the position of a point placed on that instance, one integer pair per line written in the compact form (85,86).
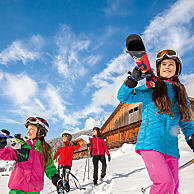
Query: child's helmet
(43,126)
(98,130)
(68,135)
(169,54)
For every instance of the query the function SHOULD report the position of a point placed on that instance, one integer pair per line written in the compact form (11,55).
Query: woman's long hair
(46,151)
(161,99)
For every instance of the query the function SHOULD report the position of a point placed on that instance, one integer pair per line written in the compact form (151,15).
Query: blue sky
(64,60)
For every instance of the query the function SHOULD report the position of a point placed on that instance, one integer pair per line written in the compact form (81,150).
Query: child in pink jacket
(32,160)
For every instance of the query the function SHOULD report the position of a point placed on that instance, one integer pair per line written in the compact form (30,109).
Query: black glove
(91,153)
(19,136)
(88,144)
(73,143)
(191,142)
(3,140)
(55,178)
(109,158)
(135,76)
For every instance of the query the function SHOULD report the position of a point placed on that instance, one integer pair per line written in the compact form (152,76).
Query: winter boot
(95,182)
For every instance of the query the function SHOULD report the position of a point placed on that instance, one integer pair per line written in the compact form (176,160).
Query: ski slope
(126,174)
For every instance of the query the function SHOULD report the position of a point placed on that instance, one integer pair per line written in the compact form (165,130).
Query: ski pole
(85,170)
(88,168)
(187,164)
(88,164)
(143,189)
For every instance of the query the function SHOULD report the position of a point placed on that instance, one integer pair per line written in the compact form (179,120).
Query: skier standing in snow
(65,154)
(97,149)
(32,160)
(165,106)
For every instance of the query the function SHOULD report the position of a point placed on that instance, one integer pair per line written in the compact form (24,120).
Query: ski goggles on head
(35,121)
(66,135)
(169,53)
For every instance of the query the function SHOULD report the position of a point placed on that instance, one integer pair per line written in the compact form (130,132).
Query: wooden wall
(123,117)
(82,152)
(126,134)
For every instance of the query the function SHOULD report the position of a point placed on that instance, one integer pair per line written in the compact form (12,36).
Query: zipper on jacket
(97,146)
(165,133)
(145,131)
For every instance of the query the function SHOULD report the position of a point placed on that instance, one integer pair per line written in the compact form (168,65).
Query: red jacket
(66,153)
(98,146)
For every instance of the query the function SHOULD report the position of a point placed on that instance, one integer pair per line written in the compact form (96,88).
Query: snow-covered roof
(86,138)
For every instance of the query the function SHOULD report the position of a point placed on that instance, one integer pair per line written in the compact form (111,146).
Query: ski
(143,189)
(135,47)
(2,134)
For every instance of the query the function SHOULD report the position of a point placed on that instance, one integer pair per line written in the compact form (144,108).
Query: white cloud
(29,99)
(22,50)
(67,60)
(1,75)
(6,120)
(118,7)
(40,104)
(55,102)
(72,54)
(90,123)
(36,42)
(92,60)
(20,88)
(171,29)
(107,83)
(56,107)
(114,68)
(188,80)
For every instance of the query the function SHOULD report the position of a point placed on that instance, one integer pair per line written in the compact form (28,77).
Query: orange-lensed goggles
(34,120)
(169,53)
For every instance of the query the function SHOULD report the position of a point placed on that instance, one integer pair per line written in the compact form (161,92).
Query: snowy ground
(126,173)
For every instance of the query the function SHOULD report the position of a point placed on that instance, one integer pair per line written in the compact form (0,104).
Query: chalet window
(136,109)
(133,110)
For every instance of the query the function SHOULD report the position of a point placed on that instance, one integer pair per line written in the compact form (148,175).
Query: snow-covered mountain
(126,174)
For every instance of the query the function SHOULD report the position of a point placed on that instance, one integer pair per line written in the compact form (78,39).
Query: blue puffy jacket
(158,131)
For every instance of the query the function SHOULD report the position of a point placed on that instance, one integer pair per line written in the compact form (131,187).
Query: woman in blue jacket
(165,106)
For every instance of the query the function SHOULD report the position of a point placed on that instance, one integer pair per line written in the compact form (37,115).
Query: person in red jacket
(65,154)
(98,148)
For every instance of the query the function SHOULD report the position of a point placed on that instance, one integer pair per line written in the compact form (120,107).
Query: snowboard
(135,47)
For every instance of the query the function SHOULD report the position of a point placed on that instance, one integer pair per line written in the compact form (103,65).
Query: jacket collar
(35,144)
(66,143)
(96,136)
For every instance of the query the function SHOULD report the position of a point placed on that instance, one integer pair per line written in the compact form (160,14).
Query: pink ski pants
(163,172)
